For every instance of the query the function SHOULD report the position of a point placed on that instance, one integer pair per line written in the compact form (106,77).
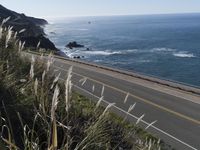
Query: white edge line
(169,135)
(61,60)
(193,101)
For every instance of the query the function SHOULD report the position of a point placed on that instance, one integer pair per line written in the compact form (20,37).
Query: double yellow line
(134,96)
(140,98)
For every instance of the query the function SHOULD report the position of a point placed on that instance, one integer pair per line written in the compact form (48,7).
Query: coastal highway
(175,108)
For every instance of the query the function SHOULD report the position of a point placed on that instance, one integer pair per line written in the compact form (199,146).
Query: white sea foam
(106,53)
(82,29)
(90,53)
(184,54)
(85,53)
(129,51)
(77,29)
(144,61)
(162,49)
(98,60)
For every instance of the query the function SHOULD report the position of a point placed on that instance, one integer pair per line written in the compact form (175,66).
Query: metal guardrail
(154,79)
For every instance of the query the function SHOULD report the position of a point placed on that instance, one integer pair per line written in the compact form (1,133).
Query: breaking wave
(184,54)
(91,53)
(85,53)
(106,53)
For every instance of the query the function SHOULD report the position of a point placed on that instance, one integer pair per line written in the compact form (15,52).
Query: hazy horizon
(66,17)
(77,8)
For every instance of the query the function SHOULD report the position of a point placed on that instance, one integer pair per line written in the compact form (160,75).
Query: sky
(70,8)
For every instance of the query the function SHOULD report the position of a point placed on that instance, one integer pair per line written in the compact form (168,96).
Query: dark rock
(74,44)
(78,57)
(53,33)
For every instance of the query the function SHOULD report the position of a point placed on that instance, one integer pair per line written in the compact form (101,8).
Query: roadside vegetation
(39,112)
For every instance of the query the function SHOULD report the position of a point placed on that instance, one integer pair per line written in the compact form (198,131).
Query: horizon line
(113,15)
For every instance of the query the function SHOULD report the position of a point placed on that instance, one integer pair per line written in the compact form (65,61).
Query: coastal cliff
(33,33)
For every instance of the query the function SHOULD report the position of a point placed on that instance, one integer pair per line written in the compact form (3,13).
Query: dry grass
(38,112)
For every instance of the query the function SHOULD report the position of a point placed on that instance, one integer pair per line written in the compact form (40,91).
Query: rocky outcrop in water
(74,44)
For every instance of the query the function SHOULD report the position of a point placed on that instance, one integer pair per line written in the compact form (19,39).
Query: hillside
(39,111)
(33,28)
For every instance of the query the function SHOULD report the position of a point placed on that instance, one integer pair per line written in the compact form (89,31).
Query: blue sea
(165,46)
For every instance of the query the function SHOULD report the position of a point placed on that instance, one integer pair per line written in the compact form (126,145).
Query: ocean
(165,46)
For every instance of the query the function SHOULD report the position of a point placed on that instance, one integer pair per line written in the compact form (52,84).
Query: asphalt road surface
(175,112)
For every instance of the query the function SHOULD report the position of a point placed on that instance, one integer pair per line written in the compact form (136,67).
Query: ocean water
(165,46)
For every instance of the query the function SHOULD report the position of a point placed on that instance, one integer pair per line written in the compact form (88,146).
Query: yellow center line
(141,99)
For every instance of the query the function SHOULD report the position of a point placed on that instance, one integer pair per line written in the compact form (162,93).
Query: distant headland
(29,29)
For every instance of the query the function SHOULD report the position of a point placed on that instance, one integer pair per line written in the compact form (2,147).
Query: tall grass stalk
(55,80)
(107,108)
(102,90)
(38,45)
(151,124)
(139,119)
(99,102)
(1,32)
(54,102)
(8,36)
(22,30)
(68,86)
(49,114)
(32,67)
(36,87)
(83,81)
(126,98)
(93,88)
